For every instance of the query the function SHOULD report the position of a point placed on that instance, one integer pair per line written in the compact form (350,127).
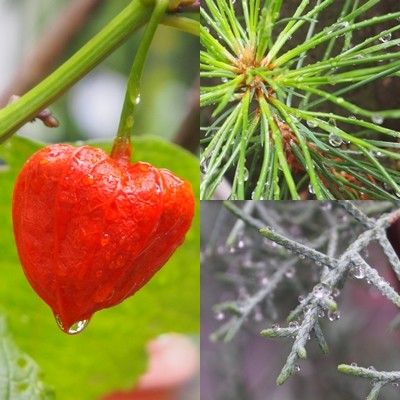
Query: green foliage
(19,374)
(284,125)
(110,353)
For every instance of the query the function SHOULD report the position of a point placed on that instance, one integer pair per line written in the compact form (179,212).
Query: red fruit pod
(91,230)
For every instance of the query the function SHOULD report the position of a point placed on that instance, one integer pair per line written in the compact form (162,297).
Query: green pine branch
(269,132)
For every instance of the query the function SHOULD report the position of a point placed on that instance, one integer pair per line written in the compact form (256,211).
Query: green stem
(135,15)
(184,24)
(277,138)
(121,149)
(96,50)
(243,146)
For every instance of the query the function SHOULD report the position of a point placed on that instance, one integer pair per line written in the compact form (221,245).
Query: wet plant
(279,90)
(314,249)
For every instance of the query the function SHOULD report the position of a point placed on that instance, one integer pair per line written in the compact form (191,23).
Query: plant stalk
(122,148)
(129,20)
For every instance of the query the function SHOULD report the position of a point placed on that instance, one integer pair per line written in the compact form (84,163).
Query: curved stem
(135,15)
(96,50)
(183,24)
(121,149)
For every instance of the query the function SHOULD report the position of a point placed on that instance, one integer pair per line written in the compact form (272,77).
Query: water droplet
(75,328)
(320,291)
(232,249)
(395,384)
(264,280)
(296,368)
(78,327)
(337,26)
(386,37)
(358,272)
(224,80)
(289,272)
(137,99)
(333,315)
(371,368)
(240,244)
(220,316)
(312,123)
(377,119)
(245,174)
(311,189)
(335,292)
(301,299)
(203,166)
(335,140)
(294,325)
(353,364)
(326,206)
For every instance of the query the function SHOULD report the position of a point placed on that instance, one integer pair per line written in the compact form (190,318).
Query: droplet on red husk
(75,328)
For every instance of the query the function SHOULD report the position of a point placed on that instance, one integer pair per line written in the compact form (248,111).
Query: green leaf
(19,374)
(110,353)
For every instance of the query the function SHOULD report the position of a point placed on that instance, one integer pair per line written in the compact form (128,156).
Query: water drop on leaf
(358,272)
(311,123)
(264,281)
(335,140)
(385,38)
(294,325)
(289,272)
(220,316)
(326,206)
(245,174)
(333,315)
(377,119)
